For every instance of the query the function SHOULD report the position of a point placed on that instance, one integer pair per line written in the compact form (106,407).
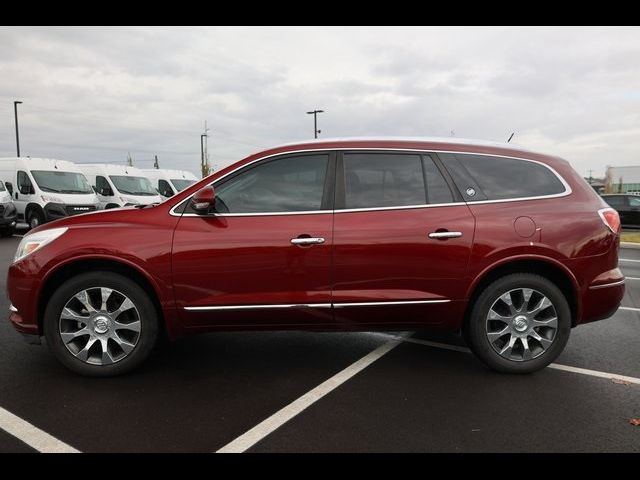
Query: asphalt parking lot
(421,392)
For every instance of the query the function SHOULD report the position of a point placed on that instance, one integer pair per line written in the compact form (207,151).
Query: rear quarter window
(483,177)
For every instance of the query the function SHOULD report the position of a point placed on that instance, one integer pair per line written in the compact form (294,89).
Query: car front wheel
(519,323)
(100,324)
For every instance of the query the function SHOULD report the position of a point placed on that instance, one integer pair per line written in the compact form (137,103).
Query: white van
(45,189)
(8,214)
(170,182)
(119,185)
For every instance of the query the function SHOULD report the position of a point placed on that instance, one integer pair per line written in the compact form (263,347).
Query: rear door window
(375,180)
(484,177)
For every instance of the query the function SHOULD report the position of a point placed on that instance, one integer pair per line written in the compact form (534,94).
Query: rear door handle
(445,235)
(307,241)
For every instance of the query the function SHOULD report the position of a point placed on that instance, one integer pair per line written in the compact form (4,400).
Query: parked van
(46,189)
(170,182)
(120,185)
(8,213)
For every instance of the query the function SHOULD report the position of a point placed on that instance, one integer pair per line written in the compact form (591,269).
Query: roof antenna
(512,134)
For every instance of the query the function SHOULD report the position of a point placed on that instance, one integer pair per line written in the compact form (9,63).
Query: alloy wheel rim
(100,326)
(521,324)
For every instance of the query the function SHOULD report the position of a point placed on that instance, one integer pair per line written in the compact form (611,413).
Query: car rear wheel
(100,324)
(519,323)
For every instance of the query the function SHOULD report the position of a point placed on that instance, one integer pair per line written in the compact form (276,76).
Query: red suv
(511,248)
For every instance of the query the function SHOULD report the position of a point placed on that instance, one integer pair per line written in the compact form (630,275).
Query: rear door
(402,240)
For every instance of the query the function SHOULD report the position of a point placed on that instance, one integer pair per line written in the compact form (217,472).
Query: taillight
(610,218)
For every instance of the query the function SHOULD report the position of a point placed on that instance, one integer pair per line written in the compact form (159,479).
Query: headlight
(50,198)
(35,241)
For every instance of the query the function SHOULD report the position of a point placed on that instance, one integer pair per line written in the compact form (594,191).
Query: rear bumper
(603,296)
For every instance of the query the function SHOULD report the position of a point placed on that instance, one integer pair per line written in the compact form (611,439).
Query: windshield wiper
(74,191)
(49,189)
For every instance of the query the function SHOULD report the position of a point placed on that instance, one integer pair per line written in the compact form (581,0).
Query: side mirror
(9,187)
(106,192)
(203,200)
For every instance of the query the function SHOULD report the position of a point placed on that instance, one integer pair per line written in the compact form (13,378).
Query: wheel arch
(548,268)
(31,206)
(68,270)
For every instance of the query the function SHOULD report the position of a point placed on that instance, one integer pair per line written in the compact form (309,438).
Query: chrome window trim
(606,285)
(311,305)
(567,187)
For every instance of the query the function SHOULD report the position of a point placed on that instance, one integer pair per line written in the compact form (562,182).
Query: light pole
(15,112)
(203,162)
(315,121)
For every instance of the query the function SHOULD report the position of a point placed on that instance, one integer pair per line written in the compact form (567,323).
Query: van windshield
(133,185)
(61,182)
(181,183)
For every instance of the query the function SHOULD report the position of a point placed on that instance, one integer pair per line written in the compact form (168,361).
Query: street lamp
(15,112)
(315,122)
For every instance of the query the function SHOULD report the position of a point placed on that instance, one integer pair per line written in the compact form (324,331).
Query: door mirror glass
(203,200)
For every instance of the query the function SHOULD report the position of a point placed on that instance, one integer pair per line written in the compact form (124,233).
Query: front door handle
(444,235)
(307,241)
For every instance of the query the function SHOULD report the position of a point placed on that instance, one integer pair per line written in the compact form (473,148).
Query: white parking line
(264,428)
(631,309)
(632,278)
(556,366)
(628,260)
(32,436)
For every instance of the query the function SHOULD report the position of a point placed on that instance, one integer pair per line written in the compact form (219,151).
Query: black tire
(148,323)
(475,330)
(35,219)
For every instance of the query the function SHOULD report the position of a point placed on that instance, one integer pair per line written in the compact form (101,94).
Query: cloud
(94,94)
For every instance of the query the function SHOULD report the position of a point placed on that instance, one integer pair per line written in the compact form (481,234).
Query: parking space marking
(556,366)
(631,309)
(628,260)
(32,436)
(282,416)
(632,278)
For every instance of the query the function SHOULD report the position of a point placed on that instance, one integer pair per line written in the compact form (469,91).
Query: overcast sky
(94,94)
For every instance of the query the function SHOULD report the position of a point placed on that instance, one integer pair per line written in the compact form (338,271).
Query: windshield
(181,183)
(61,182)
(133,185)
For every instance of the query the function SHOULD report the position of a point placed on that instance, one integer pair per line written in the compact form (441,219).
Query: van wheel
(519,324)
(100,324)
(35,219)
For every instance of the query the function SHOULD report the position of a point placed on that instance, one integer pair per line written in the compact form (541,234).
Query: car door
(402,240)
(23,194)
(262,256)
(619,203)
(104,192)
(633,212)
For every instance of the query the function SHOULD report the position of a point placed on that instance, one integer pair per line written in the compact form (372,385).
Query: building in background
(622,179)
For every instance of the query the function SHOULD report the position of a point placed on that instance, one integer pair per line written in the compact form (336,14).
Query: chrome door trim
(382,304)
(567,187)
(312,305)
(256,307)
